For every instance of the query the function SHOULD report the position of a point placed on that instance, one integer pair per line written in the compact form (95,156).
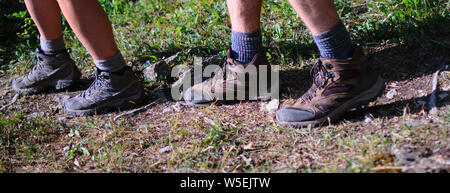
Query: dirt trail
(258,137)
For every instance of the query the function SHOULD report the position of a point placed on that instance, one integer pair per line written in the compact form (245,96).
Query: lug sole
(119,104)
(205,104)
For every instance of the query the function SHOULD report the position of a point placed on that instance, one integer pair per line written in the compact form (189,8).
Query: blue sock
(335,43)
(245,46)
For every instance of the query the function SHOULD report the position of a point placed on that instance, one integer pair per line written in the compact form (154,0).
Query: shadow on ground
(401,64)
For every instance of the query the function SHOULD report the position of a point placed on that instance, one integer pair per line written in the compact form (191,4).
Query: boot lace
(35,60)
(100,82)
(320,76)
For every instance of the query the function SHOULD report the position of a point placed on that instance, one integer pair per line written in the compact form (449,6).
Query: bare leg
(244,14)
(115,86)
(47,17)
(318,15)
(91,25)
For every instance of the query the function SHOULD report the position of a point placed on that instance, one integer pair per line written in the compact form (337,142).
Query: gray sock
(245,46)
(111,64)
(335,43)
(52,46)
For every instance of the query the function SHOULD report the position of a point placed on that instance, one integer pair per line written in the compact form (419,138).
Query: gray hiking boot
(56,71)
(109,91)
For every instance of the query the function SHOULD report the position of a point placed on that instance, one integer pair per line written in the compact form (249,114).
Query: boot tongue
(103,77)
(318,74)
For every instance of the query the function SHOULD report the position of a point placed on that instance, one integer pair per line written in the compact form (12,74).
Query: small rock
(207,120)
(61,119)
(248,146)
(421,92)
(447,88)
(434,112)
(272,106)
(60,98)
(406,158)
(59,106)
(391,94)
(415,123)
(160,68)
(367,118)
(185,74)
(177,106)
(4,92)
(165,110)
(36,114)
(165,149)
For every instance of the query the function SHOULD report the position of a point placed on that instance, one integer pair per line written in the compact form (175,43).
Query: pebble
(415,123)
(165,149)
(177,106)
(60,98)
(36,114)
(272,106)
(391,94)
(367,118)
(165,110)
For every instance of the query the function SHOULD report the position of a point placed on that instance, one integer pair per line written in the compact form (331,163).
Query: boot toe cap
(197,96)
(294,114)
(18,83)
(73,104)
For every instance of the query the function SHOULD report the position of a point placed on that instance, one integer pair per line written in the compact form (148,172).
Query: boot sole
(60,84)
(119,104)
(205,104)
(362,99)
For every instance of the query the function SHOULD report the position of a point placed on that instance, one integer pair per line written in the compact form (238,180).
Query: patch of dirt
(420,158)
(407,71)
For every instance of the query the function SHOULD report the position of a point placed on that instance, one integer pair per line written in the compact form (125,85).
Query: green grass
(153,29)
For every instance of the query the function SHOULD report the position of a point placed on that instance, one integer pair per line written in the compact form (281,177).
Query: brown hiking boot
(230,82)
(338,85)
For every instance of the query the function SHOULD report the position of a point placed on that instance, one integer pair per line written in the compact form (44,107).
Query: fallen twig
(434,92)
(14,99)
(386,169)
(132,112)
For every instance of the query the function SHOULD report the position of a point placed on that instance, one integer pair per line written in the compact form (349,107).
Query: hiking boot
(57,71)
(229,81)
(338,85)
(109,91)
